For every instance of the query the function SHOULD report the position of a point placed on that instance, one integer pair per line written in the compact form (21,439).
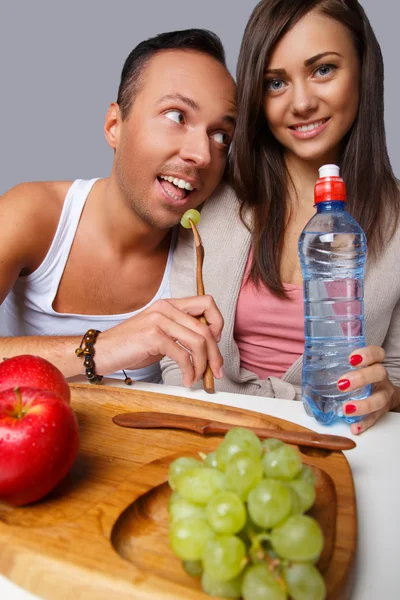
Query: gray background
(60,65)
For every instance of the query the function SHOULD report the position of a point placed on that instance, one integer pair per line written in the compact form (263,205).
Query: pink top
(269,331)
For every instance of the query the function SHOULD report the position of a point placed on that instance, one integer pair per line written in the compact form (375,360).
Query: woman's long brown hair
(257,166)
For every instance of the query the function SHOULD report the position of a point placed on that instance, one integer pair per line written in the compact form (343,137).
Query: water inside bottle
(333,269)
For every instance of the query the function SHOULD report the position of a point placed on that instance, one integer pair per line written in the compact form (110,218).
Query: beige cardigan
(226,243)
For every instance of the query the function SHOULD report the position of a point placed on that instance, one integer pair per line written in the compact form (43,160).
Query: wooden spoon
(156,420)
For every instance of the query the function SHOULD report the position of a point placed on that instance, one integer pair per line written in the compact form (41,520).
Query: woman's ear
(111,125)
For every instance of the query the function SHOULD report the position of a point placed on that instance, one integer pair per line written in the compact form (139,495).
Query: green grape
(226,513)
(211,460)
(304,491)
(307,474)
(271,444)
(224,557)
(304,582)
(297,507)
(189,537)
(192,214)
(299,538)
(282,463)
(179,466)
(249,530)
(269,503)
(260,584)
(238,439)
(193,567)
(182,509)
(174,497)
(200,485)
(223,589)
(242,474)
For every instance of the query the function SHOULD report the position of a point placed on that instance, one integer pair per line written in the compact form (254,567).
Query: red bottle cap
(329,186)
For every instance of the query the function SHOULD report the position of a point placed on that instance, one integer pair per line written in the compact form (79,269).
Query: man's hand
(167,328)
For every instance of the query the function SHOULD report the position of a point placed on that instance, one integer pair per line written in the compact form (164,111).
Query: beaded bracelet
(87,351)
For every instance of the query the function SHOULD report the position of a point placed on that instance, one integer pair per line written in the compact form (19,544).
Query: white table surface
(374,464)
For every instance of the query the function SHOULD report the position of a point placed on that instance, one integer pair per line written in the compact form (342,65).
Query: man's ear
(111,125)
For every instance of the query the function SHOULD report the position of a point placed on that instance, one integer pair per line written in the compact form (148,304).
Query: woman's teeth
(309,127)
(181,183)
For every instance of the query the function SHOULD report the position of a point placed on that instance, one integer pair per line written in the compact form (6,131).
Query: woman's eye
(175,115)
(325,70)
(274,85)
(222,138)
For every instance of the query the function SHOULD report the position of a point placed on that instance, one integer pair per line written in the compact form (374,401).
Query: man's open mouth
(175,187)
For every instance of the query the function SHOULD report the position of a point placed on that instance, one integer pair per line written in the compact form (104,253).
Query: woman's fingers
(362,377)
(371,408)
(364,357)
(369,371)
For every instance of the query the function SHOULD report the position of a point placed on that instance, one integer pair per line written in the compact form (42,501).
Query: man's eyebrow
(185,99)
(229,119)
(307,63)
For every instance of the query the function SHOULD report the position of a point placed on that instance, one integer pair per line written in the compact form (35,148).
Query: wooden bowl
(104,530)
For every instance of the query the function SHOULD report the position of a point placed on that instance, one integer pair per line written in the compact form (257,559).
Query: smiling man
(96,254)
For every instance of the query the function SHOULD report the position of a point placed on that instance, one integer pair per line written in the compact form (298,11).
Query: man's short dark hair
(199,40)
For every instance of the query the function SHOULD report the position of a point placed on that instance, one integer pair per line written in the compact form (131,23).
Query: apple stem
(19,405)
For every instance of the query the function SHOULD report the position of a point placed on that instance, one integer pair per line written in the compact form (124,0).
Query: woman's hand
(384,396)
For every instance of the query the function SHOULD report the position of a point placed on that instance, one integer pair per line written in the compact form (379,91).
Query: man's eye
(175,115)
(222,138)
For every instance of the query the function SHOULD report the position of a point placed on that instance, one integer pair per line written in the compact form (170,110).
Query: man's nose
(196,148)
(303,99)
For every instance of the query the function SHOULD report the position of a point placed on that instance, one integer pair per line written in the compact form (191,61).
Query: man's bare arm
(58,350)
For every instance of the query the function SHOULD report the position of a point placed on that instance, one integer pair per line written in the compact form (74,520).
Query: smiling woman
(310,92)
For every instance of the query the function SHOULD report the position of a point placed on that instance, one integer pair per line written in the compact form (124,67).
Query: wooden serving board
(103,532)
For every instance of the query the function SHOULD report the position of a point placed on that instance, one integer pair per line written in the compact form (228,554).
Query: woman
(310,92)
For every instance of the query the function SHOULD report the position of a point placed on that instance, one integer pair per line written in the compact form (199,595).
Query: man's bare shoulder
(29,215)
(28,196)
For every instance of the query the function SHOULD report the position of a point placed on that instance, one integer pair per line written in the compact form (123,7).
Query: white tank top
(29,305)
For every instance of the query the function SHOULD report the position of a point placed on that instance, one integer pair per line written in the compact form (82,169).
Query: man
(96,254)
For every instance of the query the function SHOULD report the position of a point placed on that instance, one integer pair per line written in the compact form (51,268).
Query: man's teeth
(309,127)
(181,183)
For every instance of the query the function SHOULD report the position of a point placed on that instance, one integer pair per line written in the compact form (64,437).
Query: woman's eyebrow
(314,59)
(307,63)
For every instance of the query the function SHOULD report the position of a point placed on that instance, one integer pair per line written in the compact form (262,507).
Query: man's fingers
(202,346)
(181,356)
(202,305)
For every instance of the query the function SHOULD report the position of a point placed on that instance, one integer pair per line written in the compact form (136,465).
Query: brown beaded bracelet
(87,351)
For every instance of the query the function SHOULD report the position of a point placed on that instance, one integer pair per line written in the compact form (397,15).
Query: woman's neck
(303,176)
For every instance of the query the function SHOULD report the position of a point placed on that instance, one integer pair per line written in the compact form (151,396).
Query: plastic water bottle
(332,250)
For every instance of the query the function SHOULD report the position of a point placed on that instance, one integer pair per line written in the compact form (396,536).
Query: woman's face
(312,88)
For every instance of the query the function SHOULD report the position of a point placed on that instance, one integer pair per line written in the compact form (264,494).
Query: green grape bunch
(237,520)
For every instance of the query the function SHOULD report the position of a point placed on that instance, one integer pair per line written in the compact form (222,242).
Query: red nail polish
(343,384)
(349,409)
(355,360)
(358,428)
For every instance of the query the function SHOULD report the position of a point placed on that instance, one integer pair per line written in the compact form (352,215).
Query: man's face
(171,150)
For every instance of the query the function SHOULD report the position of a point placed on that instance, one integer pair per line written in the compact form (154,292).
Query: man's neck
(124,229)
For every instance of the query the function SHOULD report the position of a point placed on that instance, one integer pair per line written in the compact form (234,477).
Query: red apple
(35,372)
(38,443)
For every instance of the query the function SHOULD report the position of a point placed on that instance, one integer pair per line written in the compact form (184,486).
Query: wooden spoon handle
(208,377)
